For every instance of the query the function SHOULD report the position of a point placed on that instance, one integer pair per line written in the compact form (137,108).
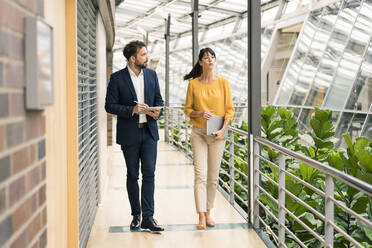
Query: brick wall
(22,137)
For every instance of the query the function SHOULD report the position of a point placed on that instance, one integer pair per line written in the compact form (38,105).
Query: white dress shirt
(139,87)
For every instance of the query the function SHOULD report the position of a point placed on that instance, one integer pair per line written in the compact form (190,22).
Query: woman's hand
(207,114)
(220,134)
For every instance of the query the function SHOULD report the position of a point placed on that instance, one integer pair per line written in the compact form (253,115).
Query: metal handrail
(330,202)
(350,180)
(238,131)
(179,132)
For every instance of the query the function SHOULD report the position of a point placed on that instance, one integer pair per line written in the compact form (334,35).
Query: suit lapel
(128,79)
(146,86)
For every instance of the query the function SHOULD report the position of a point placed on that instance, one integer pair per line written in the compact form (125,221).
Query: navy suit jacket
(120,99)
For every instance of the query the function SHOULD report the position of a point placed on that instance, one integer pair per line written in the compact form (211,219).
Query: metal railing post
(167,51)
(171,123)
(255,149)
(195,30)
(329,212)
(232,168)
(166,124)
(281,201)
(179,128)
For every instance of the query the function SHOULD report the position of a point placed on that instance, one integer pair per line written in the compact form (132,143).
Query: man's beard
(140,66)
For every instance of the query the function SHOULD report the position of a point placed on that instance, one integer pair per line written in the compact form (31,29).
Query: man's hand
(139,107)
(153,113)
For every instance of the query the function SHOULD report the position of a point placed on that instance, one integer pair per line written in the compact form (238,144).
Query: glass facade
(331,68)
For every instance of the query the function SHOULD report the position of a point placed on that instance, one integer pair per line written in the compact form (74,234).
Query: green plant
(320,141)
(355,161)
(238,164)
(280,126)
(317,144)
(161,121)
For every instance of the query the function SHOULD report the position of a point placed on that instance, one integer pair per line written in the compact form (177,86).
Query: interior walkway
(174,209)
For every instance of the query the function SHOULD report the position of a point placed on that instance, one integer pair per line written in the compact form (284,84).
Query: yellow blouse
(214,96)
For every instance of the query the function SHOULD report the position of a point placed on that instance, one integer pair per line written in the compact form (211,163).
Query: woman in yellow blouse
(207,94)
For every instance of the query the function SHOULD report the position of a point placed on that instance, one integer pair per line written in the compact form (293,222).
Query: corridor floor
(174,209)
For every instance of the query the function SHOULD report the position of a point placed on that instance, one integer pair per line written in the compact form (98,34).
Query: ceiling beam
(238,23)
(129,12)
(149,13)
(203,7)
(211,7)
(218,23)
(270,5)
(233,17)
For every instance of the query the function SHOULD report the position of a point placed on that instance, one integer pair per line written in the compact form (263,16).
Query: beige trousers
(207,152)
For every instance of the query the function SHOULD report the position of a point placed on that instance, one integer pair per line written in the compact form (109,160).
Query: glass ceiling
(136,19)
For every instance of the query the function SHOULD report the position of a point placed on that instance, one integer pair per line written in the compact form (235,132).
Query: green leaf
(309,217)
(363,152)
(306,172)
(368,232)
(292,185)
(366,245)
(273,155)
(285,138)
(365,159)
(316,125)
(361,143)
(349,143)
(322,144)
(290,124)
(264,125)
(367,177)
(283,113)
(268,202)
(359,203)
(320,122)
(292,132)
(274,125)
(312,152)
(308,139)
(334,159)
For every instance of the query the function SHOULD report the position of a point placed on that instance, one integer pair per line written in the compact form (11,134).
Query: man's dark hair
(132,47)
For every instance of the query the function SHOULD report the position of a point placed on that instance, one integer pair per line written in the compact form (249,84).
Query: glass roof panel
(205,1)
(208,17)
(269,14)
(150,16)
(235,5)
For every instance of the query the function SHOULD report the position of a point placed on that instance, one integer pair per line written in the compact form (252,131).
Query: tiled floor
(174,209)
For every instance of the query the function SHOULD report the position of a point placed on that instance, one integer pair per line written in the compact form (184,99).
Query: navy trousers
(144,151)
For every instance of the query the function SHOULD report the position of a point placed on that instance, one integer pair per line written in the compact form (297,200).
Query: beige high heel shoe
(201,227)
(211,223)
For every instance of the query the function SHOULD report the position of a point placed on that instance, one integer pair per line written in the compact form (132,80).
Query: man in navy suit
(129,92)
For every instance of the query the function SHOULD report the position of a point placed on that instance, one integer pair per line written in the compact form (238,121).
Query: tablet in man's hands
(143,111)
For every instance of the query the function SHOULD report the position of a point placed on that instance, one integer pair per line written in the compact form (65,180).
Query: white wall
(101,113)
